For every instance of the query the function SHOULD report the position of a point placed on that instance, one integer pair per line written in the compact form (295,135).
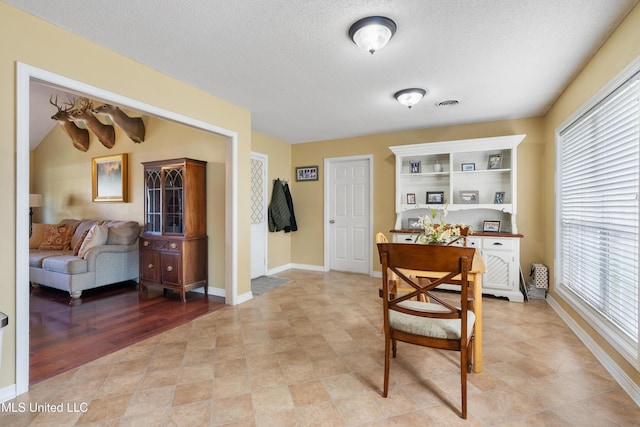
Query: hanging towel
(279,214)
(293,224)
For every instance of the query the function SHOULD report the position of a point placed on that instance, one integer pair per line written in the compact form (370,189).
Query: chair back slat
(448,261)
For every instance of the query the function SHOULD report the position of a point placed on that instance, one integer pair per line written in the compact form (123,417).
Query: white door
(258,215)
(349,214)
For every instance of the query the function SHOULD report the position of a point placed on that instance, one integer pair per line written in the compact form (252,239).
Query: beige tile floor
(310,353)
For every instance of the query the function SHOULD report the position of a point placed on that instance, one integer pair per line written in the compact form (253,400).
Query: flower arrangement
(436,230)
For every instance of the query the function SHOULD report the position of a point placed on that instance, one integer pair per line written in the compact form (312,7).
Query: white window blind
(598,179)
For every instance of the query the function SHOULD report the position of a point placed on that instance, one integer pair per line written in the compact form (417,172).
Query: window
(597,213)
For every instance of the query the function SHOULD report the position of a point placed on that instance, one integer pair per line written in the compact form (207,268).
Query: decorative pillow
(97,236)
(122,232)
(81,227)
(56,237)
(37,235)
(76,248)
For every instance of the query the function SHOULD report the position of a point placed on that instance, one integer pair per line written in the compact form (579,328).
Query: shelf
(417,175)
(481,171)
(505,207)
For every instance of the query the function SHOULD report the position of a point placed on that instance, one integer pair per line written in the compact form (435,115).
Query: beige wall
(618,52)
(45,46)
(309,196)
(279,166)
(63,175)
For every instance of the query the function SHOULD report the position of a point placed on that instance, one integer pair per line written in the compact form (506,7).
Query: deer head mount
(105,133)
(79,137)
(132,126)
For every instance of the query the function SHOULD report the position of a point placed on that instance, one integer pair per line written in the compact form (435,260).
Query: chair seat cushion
(429,327)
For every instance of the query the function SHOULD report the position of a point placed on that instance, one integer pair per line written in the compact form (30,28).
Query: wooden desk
(475,275)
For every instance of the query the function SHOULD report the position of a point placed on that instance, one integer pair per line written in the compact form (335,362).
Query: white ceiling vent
(447,103)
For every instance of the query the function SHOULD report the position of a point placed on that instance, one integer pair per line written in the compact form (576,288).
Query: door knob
(331,221)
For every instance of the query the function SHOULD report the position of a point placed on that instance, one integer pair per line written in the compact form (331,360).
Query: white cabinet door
(501,256)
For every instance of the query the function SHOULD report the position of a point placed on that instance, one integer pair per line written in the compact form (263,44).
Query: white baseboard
(8,393)
(627,384)
(291,266)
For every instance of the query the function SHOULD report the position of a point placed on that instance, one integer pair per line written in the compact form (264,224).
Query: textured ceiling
(293,66)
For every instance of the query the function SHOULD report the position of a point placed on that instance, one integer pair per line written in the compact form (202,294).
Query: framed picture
(435,197)
(414,166)
(468,167)
(491,226)
(411,198)
(495,161)
(469,196)
(499,199)
(413,223)
(307,173)
(110,178)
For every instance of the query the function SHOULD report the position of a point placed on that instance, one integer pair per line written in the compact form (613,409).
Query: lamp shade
(410,97)
(35,200)
(372,33)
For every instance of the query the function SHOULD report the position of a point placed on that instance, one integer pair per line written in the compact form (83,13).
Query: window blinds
(598,206)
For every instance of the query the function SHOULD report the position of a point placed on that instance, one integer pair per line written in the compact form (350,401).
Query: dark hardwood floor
(66,333)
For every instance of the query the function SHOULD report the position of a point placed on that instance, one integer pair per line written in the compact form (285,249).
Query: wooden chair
(436,324)
(396,285)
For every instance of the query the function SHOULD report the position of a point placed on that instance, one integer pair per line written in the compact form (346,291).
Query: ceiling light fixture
(410,97)
(372,33)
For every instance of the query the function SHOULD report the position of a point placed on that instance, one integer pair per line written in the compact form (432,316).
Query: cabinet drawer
(160,244)
(497,244)
(404,238)
(471,242)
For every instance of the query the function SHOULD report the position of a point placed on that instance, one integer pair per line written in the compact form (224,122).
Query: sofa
(75,255)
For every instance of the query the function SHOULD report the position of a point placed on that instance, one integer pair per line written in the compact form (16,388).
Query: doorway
(348,204)
(27,74)
(258,214)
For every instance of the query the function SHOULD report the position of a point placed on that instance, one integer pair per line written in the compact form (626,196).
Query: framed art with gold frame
(110,178)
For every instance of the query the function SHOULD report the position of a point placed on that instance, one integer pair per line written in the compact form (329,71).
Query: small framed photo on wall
(499,199)
(466,167)
(411,198)
(307,173)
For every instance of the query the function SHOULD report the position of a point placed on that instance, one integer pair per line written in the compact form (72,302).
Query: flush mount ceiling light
(410,97)
(372,33)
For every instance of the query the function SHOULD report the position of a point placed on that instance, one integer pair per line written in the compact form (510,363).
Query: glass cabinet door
(173,201)
(153,187)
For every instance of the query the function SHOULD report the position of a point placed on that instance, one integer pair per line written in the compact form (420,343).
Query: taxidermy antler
(105,133)
(132,126)
(79,137)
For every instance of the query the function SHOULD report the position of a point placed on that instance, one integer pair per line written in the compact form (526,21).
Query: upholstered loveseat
(75,255)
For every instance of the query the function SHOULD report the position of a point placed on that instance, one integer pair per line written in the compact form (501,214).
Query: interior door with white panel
(258,215)
(349,215)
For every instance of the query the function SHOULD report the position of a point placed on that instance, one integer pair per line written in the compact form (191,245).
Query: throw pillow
(97,236)
(56,237)
(76,248)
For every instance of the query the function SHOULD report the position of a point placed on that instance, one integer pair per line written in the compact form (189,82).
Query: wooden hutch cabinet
(173,246)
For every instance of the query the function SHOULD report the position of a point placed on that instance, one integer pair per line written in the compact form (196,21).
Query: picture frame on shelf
(413,223)
(466,167)
(435,197)
(499,198)
(469,197)
(411,198)
(110,178)
(414,166)
(491,226)
(307,173)
(495,161)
